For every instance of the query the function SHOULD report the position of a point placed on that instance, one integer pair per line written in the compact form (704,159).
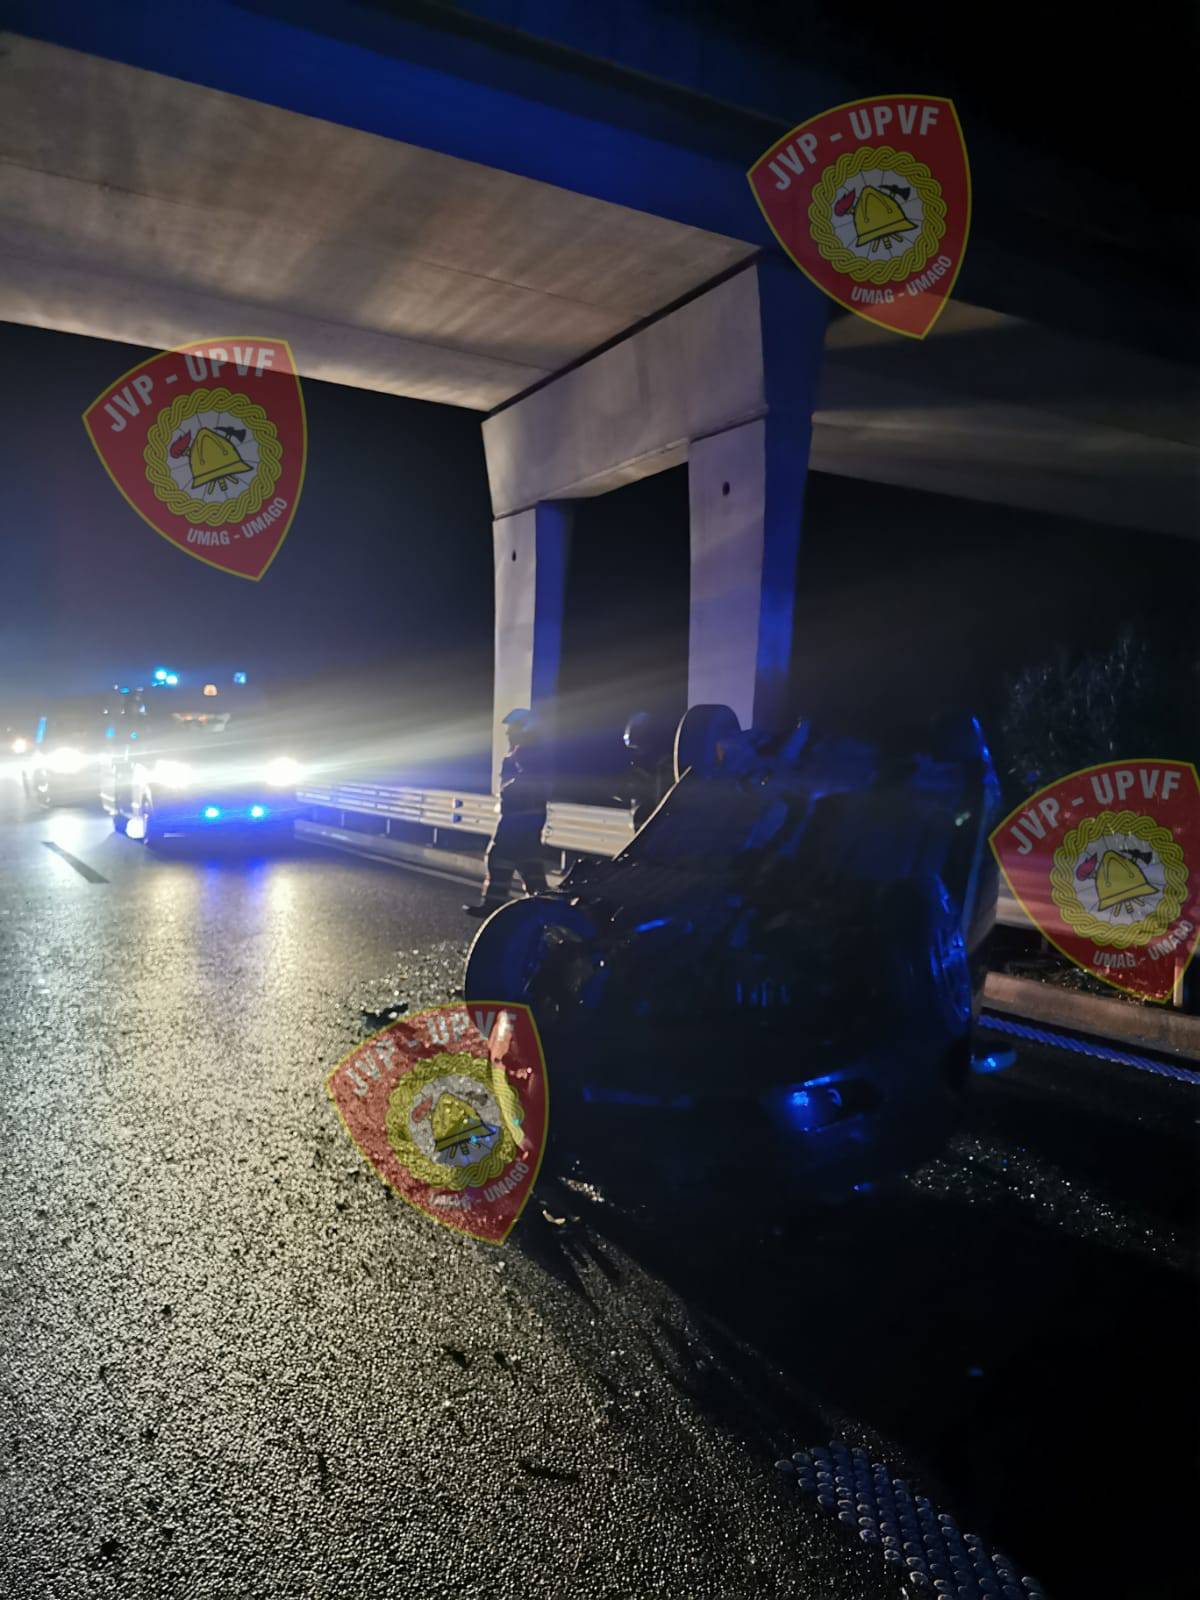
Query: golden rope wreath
(1066,898)
(270,457)
(411,1156)
(933,227)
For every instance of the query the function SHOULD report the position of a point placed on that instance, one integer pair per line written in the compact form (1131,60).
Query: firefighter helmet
(456,1124)
(212,457)
(637,730)
(1118,879)
(876,215)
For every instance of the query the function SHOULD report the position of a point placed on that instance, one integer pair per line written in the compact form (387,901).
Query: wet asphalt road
(235,1365)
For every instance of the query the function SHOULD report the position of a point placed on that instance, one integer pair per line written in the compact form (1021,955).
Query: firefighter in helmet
(516,845)
(650,770)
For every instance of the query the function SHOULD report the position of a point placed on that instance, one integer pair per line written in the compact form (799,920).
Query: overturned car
(776,979)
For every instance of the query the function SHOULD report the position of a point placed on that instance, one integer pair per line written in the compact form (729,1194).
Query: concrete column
(728,382)
(530,555)
(746,489)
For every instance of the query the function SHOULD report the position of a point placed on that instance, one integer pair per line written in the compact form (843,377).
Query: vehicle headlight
(19,746)
(283,772)
(173,774)
(66,759)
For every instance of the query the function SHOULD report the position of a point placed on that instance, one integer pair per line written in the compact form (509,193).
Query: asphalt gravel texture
(235,1364)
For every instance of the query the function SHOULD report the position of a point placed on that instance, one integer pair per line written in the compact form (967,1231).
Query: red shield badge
(449,1106)
(1106,864)
(208,444)
(872,201)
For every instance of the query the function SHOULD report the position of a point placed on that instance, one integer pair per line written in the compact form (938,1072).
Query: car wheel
(119,821)
(518,955)
(151,835)
(541,952)
(700,732)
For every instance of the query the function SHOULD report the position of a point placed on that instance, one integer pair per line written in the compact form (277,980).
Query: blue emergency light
(239,677)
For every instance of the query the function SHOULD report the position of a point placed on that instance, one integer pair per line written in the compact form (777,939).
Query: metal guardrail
(430,808)
(587,830)
(581,830)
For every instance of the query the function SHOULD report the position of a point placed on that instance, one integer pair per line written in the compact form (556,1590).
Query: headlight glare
(66,759)
(172,774)
(283,772)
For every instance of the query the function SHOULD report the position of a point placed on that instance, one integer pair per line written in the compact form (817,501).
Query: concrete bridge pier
(530,556)
(746,497)
(726,382)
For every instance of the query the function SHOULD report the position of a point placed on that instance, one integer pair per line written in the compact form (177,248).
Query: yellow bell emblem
(455,1123)
(213,459)
(1118,880)
(877,215)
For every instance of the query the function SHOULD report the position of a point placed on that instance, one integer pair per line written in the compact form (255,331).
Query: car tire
(151,837)
(120,822)
(700,732)
(508,952)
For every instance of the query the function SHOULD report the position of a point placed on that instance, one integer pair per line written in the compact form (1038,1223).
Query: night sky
(388,560)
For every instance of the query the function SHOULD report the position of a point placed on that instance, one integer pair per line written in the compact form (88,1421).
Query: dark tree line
(1133,697)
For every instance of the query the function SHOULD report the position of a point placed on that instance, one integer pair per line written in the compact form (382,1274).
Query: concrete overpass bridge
(542,214)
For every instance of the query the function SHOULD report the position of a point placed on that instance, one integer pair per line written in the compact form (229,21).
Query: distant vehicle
(16,739)
(195,765)
(62,761)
